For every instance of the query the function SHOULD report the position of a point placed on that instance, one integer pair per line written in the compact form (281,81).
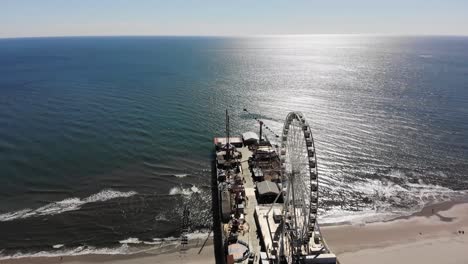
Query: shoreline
(173,257)
(431,235)
(416,238)
(169,254)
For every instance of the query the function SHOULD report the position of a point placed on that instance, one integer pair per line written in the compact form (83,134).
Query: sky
(33,18)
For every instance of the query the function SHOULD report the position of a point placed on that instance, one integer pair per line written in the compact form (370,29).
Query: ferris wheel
(300,177)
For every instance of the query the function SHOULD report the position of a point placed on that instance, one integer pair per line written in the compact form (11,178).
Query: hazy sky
(23,18)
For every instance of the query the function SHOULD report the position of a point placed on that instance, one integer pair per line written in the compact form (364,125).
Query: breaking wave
(66,205)
(181,175)
(81,250)
(184,191)
(128,246)
(372,200)
(131,240)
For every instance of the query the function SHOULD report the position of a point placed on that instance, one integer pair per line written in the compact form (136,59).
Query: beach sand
(429,236)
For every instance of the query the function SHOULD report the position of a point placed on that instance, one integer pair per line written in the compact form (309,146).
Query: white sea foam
(184,191)
(171,238)
(168,240)
(151,242)
(69,204)
(125,248)
(340,216)
(81,250)
(161,218)
(131,240)
(181,175)
(388,200)
(199,235)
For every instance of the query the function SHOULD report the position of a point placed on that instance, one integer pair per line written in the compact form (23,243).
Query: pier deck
(251,202)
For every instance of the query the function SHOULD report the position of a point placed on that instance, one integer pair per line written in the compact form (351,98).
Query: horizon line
(241,36)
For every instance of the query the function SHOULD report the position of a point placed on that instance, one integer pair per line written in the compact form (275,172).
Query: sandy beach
(432,235)
(429,236)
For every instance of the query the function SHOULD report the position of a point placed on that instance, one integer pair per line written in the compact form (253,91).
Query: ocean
(104,140)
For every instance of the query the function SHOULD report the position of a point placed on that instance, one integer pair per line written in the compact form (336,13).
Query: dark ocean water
(106,139)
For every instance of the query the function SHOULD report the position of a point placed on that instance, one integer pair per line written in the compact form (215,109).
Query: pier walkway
(251,203)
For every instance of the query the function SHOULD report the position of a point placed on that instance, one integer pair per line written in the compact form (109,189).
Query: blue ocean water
(106,138)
